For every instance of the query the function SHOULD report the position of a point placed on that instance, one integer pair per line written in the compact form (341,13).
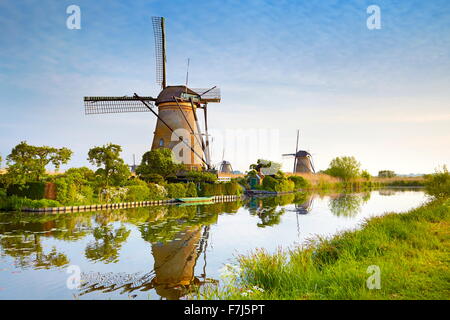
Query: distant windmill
(303,161)
(177,107)
(225,166)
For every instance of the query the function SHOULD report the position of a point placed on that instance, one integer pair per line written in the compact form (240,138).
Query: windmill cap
(168,94)
(302,153)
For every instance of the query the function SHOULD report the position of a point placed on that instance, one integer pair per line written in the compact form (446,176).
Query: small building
(255,180)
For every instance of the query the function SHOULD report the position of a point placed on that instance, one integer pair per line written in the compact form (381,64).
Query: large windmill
(302,160)
(177,126)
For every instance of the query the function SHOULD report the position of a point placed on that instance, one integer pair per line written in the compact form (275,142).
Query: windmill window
(161,142)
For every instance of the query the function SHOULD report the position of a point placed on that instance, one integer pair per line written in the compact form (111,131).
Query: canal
(164,251)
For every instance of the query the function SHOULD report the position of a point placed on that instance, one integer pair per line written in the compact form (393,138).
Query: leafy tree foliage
(112,169)
(346,168)
(74,187)
(27,163)
(158,161)
(386,174)
(438,183)
(266,167)
(200,176)
(366,175)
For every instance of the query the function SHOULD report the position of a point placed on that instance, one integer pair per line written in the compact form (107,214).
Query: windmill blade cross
(160,50)
(102,105)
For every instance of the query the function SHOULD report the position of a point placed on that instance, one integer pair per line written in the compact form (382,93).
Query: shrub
(366,175)
(438,183)
(157,192)
(154,178)
(191,190)
(69,192)
(299,182)
(15,203)
(269,183)
(232,188)
(285,185)
(176,190)
(210,189)
(114,194)
(138,193)
(200,176)
(31,190)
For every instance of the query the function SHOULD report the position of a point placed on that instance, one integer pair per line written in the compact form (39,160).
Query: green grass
(412,251)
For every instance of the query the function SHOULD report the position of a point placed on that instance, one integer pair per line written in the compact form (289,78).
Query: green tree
(27,163)
(366,175)
(112,169)
(158,161)
(74,187)
(386,174)
(266,167)
(346,168)
(200,176)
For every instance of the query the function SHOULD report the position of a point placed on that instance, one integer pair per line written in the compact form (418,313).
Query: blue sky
(380,95)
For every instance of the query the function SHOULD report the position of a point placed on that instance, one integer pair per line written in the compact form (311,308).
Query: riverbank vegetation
(343,173)
(26,182)
(410,251)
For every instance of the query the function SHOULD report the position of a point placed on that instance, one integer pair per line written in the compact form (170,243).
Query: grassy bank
(321,181)
(411,250)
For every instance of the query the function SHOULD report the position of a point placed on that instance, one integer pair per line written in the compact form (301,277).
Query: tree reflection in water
(107,243)
(348,205)
(21,237)
(270,209)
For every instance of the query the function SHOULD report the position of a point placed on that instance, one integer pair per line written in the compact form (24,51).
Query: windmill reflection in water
(172,276)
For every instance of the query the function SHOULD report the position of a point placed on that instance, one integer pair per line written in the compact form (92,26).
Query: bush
(191,190)
(299,182)
(157,192)
(176,190)
(269,183)
(138,193)
(153,178)
(69,192)
(16,203)
(31,190)
(232,188)
(438,184)
(200,176)
(285,185)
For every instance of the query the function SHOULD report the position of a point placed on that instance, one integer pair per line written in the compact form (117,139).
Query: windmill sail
(101,105)
(160,50)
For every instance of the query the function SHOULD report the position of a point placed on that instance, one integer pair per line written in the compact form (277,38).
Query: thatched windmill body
(303,162)
(177,126)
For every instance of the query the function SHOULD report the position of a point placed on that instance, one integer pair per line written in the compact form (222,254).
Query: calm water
(159,252)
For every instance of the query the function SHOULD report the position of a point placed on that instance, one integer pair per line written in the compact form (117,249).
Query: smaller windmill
(224,166)
(303,162)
